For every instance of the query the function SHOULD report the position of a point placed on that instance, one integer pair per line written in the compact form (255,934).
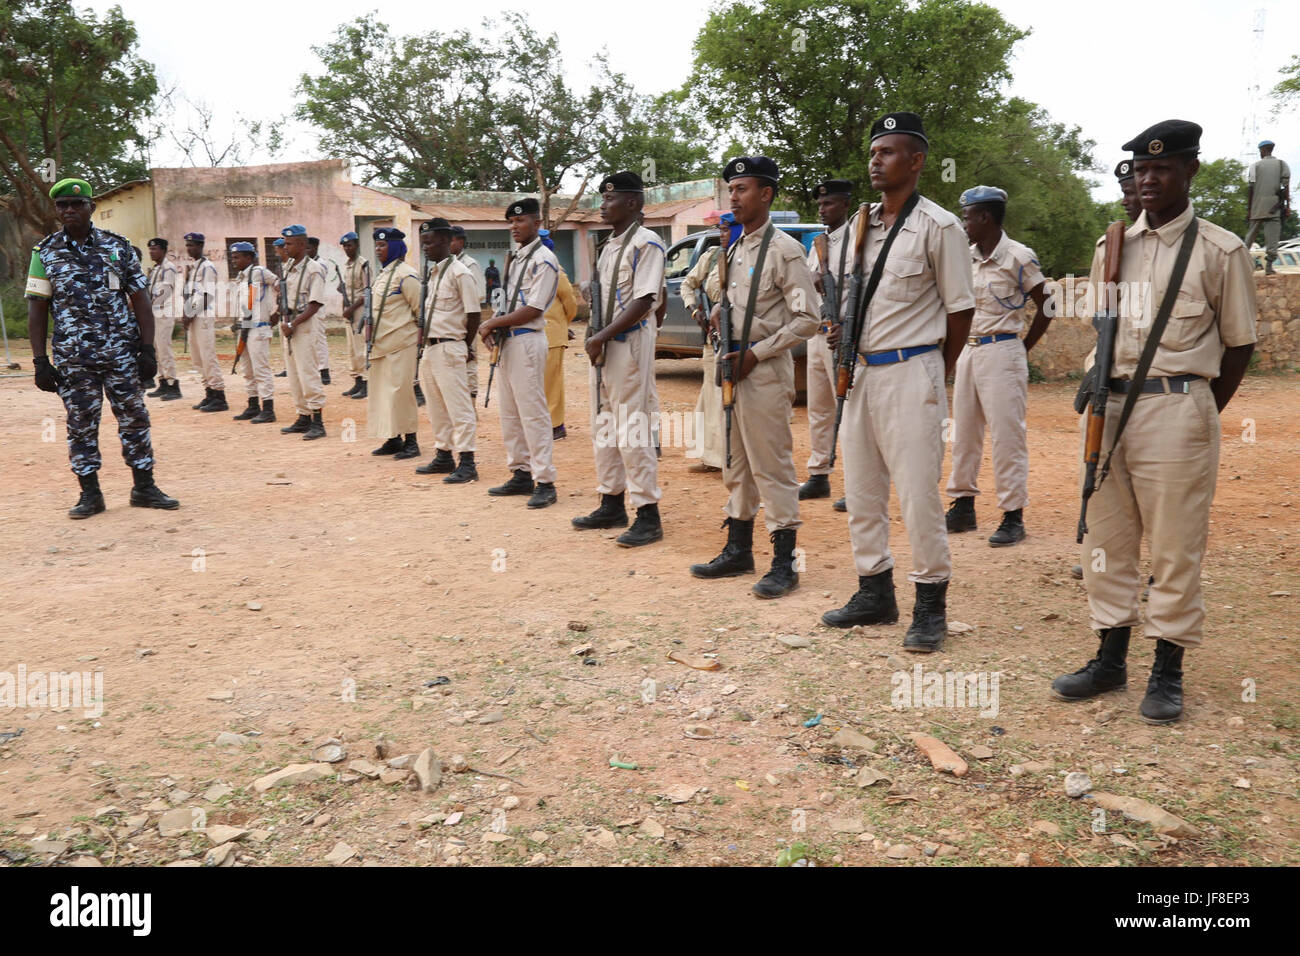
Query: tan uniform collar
(757,234)
(999,248)
(1171,231)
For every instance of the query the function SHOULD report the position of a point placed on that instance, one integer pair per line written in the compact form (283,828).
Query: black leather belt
(1180,384)
(440,341)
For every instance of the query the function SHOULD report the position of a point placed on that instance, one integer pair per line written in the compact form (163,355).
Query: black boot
(841,505)
(781,578)
(173,391)
(362,390)
(646,529)
(611,514)
(441,464)
(390,447)
(929,619)
(817,486)
(410,448)
(251,412)
(1010,531)
(419,396)
(356,384)
(464,472)
(301,424)
(1106,671)
(961,515)
(148,383)
(145,494)
(737,555)
(282,374)
(207,400)
(91,501)
(520,483)
(874,603)
(543,495)
(325,376)
(218,402)
(161,390)
(316,429)
(267,414)
(1163,703)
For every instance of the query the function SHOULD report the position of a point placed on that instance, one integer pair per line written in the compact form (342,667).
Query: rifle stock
(726,371)
(424,294)
(1106,322)
(597,321)
(498,336)
(368,311)
(846,352)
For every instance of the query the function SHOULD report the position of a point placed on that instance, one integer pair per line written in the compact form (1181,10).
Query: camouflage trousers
(84,387)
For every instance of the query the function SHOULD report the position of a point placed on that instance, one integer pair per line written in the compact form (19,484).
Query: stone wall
(1060,353)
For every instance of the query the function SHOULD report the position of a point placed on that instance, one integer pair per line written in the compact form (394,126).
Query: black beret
(833,187)
(388,234)
(903,122)
(160,243)
(436,225)
(313,241)
(622,183)
(458,232)
(1124,170)
(1167,138)
(757,167)
(524,207)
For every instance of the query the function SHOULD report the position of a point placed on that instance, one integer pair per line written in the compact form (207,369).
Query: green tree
(73,93)
(660,140)
(1219,193)
(1287,90)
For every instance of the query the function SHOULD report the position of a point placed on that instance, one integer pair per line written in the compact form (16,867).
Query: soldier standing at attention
(913,329)
(992,383)
(333,279)
(531,281)
(708,404)
(452,312)
(480,285)
(631,271)
(1268,201)
(165,290)
(103,343)
(390,403)
(356,279)
(1166,460)
(774,307)
(282,257)
(304,282)
(833,199)
(255,289)
(1128,190)
(562,311)
(200,323)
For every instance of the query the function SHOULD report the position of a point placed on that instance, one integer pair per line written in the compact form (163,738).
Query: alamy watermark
(39,690)
(946,689)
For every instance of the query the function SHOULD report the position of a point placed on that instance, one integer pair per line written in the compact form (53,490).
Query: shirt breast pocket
(902,278)
(1188,320)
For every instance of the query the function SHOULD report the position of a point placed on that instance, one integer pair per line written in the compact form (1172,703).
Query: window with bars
(241,202)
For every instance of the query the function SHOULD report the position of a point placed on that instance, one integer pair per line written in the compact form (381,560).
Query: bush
(15,308)
(1036,374)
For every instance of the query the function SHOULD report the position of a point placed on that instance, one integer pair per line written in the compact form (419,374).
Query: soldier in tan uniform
(1163,472)
(390,405)
(631,271)
(356,279)
(304,283)
(451,318)
(1128,195)
(558,317)
(703,277)
(913,329)
(1268,201)
(530,284)
(333,279)
(833,200)
(255,300)
(166,288)
(992,383)
(200,323)
(283,261)
(765,325)
(458,238)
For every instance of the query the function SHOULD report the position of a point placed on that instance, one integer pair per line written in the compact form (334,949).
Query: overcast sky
(1112,67)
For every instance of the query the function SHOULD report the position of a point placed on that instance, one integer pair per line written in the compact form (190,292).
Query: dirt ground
(308,591)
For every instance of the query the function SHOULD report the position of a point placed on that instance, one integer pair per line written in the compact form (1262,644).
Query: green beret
(71,189)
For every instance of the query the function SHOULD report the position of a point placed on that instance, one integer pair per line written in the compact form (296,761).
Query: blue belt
(897,355)
(622,336)
(521,331)
(986,339)
(261,325)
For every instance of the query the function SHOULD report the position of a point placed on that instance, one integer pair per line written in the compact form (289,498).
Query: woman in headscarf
(391,408)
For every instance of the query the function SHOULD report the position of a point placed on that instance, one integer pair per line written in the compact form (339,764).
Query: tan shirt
(262,297)
(533,284)
(1002,284)
(703,273)
(355,277)
(304,284)
(395,301)
(476,271)
(640,271)
(835,247)
(200,288)
(165,289)
(786,310)
(1215,305)
(560,314)
(451,298)
(926,278)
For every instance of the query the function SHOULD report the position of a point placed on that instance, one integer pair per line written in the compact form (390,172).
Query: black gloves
(148,362)
(47,379)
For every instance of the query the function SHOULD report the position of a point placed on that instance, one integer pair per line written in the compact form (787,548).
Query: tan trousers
(1272,229)
(1162,482)
(762,449)
(893,429)
(622,435)
(304,374)
(162,341)
(525,417)
(991,387)
(446,397)
(555,384)
(471,371)
(255,363)
(320,345)
(203,351)
(821,404)
(356,352)
(391,410)
(708,414)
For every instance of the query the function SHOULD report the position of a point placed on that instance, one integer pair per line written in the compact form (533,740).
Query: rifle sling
(1153,340)
(607,318)
(878,269)
(519,279)
(755,278)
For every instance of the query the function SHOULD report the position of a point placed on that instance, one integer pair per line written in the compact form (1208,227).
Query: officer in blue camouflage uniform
(103,343)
